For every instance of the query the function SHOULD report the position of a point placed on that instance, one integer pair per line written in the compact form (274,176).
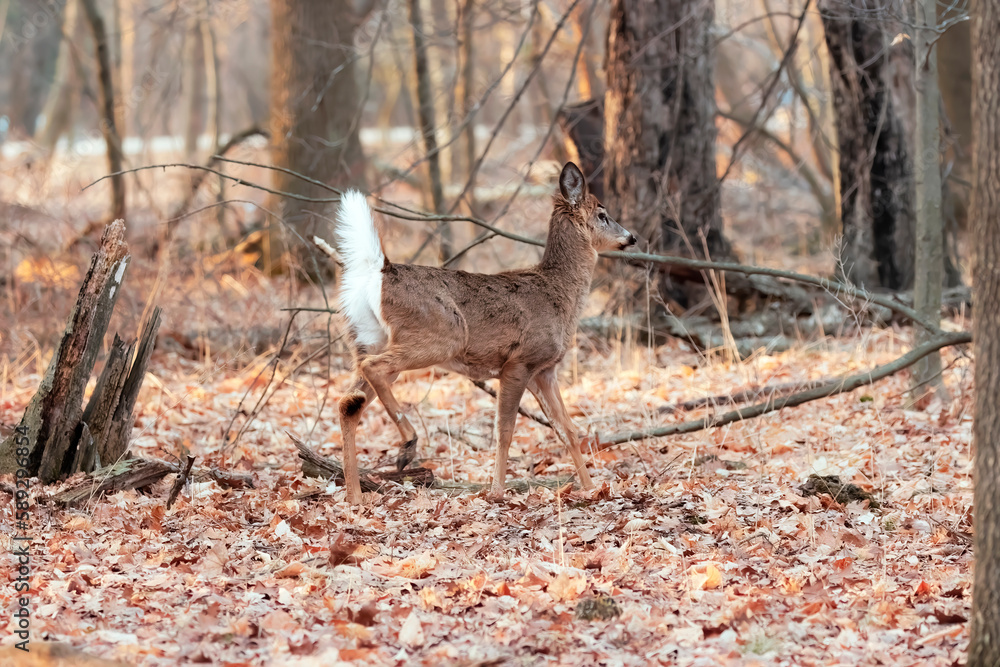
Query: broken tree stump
(57,436)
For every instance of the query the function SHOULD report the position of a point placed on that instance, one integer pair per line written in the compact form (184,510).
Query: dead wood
(314,465)
(112,447)
(226,478)
(133,473)
(516,485)
(741,396)
(832,388)
(773,329)
(182,478)
(51,420)
(101,407)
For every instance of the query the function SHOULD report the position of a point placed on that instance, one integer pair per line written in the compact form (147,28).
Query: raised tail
(363,259)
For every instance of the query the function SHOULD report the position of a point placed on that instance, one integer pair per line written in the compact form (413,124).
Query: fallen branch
(128,474)
(831,388)
(314,465)
(226,478)
(182,478)
(742,396)
(516,485)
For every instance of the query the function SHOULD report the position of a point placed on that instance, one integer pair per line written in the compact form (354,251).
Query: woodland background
(785,458)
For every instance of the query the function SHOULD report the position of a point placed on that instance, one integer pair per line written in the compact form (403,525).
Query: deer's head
(589,213)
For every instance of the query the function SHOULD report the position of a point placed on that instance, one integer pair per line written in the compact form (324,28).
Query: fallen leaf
(412,632)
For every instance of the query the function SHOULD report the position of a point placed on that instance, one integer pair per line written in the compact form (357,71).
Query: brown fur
(515,325)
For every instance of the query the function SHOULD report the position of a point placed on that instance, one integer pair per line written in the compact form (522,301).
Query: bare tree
(929,229)
(63,97)
(313,106)
(875,187)
(984,642)
(428,124)
(109,128)
(659,120)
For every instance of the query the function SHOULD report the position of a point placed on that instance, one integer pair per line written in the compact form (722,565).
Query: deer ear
(572,184)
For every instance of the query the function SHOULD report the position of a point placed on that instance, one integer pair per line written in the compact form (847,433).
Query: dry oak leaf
(705,576)
(567,587)
(412,632)
(293,569)
(415,567)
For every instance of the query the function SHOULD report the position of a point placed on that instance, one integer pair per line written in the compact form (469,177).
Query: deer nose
(631,240)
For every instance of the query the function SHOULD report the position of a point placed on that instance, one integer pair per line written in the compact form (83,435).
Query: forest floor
(705,543)
(701,549)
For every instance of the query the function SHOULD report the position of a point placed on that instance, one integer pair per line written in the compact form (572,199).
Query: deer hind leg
(545,388)
(352,404)
(380,372)
(513,381)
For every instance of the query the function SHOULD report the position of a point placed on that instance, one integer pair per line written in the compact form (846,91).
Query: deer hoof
(407,454)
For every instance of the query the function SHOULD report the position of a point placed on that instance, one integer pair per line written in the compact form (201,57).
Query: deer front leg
(352,404)
(513,381)
(545,388)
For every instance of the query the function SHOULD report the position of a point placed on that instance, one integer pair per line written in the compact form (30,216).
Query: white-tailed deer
(515,326)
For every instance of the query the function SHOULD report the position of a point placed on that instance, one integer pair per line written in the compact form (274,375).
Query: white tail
(361,282)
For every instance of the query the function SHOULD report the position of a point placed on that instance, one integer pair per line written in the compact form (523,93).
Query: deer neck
(569,260)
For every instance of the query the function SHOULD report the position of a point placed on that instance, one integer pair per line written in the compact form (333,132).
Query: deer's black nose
(631,240)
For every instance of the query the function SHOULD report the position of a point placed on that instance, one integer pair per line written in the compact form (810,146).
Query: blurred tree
(659,125)
(428,125)
(926,375)
(984,640)
(876,195)
(313,123)
(872,79)
(63,96)
(107,101)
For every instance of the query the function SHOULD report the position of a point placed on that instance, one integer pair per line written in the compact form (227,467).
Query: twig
(742,396)
(181,480)
(522,411)
(314,465)
(831,388)
(734,154)
(404,213)
(234,141)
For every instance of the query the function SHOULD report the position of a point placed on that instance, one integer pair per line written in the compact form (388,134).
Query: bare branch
(832,388)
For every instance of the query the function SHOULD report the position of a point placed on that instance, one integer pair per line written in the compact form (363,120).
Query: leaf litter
(697,550)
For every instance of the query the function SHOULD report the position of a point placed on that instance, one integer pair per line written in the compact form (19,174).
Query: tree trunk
(875,188)
(465,97)
(48,428)
(984,641)
(660,125)
(955,79)
(194,87)
(313,107)
(63,96)
(106,109)
(428,126)
(927,281)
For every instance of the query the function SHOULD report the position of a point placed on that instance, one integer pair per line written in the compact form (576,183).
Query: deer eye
(602,217)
